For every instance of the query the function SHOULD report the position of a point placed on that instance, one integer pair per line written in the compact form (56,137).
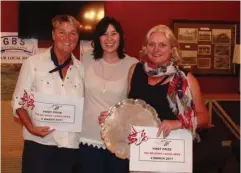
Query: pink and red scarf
(178,95)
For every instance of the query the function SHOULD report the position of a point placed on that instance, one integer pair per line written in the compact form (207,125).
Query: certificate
(63,113)
(158,154)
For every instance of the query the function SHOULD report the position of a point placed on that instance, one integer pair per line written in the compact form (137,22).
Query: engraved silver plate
(117,125)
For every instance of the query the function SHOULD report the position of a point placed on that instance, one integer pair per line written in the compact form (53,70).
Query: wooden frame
(207,47)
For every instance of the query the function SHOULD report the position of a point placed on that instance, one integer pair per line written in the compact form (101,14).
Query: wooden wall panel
(12,140)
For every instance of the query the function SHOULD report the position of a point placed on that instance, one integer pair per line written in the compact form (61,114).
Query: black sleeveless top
(156,95)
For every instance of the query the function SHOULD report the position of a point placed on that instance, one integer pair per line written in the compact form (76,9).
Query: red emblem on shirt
(27,100)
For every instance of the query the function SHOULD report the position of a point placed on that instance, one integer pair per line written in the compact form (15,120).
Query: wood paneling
(12,140)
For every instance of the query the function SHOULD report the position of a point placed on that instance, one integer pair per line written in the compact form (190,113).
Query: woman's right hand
(102,117)
(166,126)
(41,131)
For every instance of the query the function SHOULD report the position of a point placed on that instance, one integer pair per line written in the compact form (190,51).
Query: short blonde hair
(170,37)
(58,19)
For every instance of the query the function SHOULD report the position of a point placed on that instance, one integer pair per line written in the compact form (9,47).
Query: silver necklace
(106,79)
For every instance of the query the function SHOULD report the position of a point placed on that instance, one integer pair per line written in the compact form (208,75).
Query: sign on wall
(15,50)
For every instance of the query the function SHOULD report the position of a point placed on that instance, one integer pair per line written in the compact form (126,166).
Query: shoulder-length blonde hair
(170,37)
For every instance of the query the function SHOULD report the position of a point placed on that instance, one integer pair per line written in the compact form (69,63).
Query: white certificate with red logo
(63,113)
(172,154)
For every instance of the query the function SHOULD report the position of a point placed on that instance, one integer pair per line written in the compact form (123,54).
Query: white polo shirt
(35,77)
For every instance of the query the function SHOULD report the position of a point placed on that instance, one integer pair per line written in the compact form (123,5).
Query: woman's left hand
(167,125)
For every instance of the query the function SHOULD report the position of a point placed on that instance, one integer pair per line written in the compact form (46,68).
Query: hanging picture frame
(207,46)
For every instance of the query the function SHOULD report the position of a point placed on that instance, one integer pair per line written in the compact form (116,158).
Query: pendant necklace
(106,79)
(104,88)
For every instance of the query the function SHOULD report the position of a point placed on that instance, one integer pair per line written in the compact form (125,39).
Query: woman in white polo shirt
(55,73)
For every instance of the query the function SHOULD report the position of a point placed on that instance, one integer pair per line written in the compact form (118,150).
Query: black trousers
(38,158)
(94,160)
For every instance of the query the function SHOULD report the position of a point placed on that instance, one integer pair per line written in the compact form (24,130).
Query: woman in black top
(175,95)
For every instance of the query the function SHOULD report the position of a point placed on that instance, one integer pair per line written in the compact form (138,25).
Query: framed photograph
(221,36)
(204,50)
(222,50)
(222,62)
(189,57)
(204,63)
(207,46)
(204,36)
(187,35)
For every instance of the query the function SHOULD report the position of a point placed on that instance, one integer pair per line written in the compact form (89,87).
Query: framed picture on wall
(207,46)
